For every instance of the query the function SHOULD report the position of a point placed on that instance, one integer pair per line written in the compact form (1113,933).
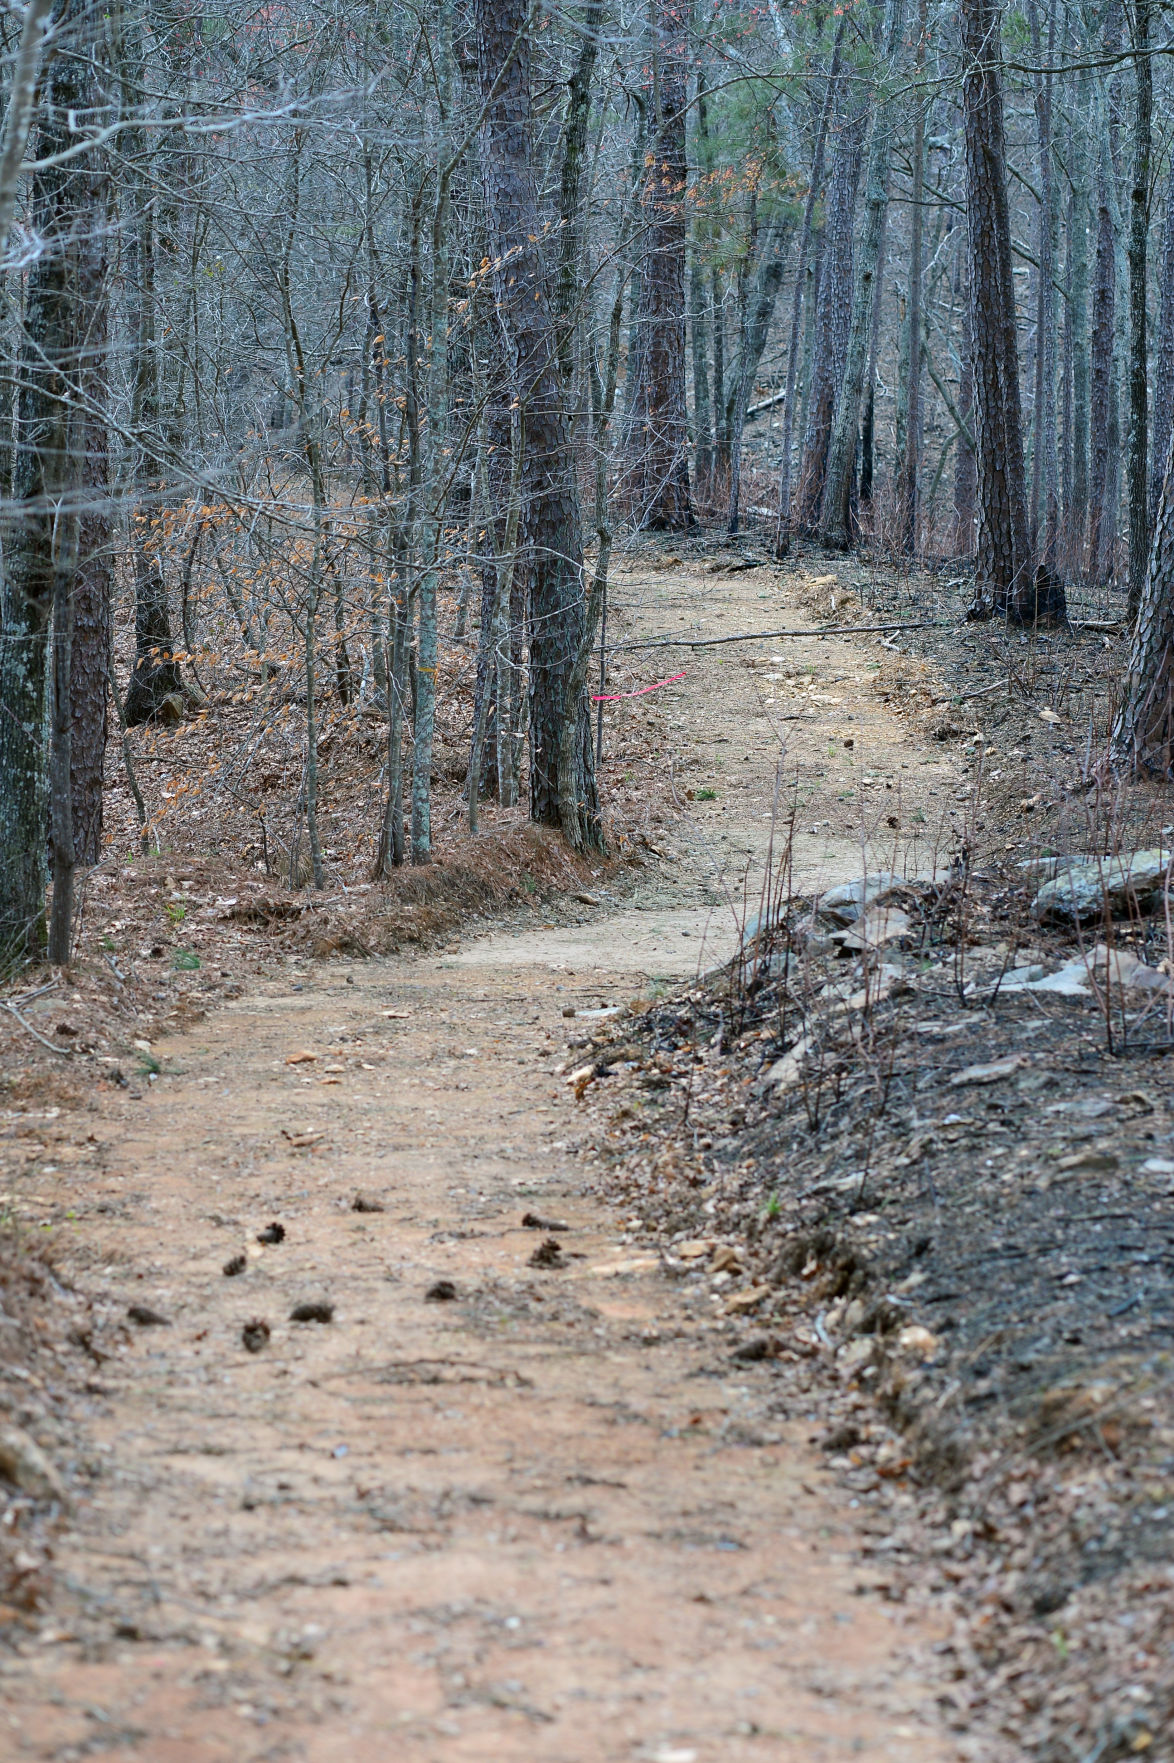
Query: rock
(144,1317)
(726,1260)
(918,1342)
(273,1233)
(786,1072)
(739,1303)
(1092,1160)
(987,1074)
(23,1463)
(442,1291)
(1077,978)
(876,926)
(844,904)
(234,1265)
(857,1353)
(1081,886)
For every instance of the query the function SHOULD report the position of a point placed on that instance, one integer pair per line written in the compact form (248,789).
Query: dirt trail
(546,1518)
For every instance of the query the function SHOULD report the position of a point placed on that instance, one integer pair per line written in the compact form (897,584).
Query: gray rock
(1081,886)
(23,1463)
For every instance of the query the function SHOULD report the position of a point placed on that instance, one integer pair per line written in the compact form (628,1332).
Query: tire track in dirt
(545,1519)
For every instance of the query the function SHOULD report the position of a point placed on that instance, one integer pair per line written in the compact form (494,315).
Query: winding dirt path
(546,1518)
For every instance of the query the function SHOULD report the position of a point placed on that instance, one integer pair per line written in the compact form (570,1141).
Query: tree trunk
(835,524)
(1005,577)
(89,689)
(802,271)
(909,470)
(1163,375)
(965,462)
(702,406)
(574,140)
(833,317)
(1104,297)
(760,307)
(1138,470)
(657,468)
(1142,739)
(156,688)
(41,536)
(90,646)
(1076,350)
(1046,463)
(549,489)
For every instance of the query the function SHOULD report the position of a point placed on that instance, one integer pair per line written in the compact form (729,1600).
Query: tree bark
(833,317)
(574,140)
(909,469)
(549,490)
(760,307)
(156,688)
(965,462)
(1142,738)
(93,584)
(1139,197)
(1046,461)
(1163,375)
(1005,575)
(1104,298)
(802,271)
(656,477)
(41,538)
(835,528)
(1076,350)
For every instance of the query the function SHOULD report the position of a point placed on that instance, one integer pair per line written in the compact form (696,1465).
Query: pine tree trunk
(1142,739)
(1005,576)
(657,466)
(549,490)
(1046,461)
(1138,467)
(833,318)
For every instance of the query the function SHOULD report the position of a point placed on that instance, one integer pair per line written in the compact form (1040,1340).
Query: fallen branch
(835,630)
(62,1052)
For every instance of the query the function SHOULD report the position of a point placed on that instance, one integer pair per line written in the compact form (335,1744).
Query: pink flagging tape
(610,697)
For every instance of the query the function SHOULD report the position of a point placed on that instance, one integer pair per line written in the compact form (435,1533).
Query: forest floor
(579,1460)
